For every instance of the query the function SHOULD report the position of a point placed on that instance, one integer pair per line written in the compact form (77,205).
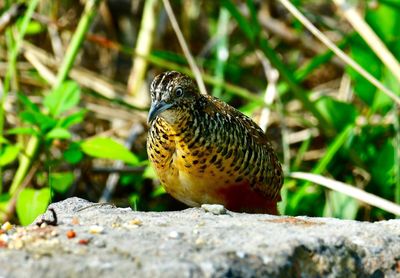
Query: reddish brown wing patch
(241,198)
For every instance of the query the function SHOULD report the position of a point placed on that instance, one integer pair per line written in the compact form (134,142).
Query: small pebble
(195,232)
(53,233)
(100,243)
(84,241)
(4,237)
(214,208)
(75,221)
(95,229)
(115,225)
(136,222)
(16,244)
(175,235)
(200,241)
(3,244)
(71,234)
(6,226)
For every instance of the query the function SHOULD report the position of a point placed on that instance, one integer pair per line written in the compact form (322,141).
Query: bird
(204,151)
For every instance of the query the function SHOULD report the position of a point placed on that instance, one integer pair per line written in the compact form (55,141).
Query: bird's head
(171,94)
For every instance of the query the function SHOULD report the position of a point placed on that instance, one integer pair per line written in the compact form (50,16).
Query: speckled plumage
(205,151)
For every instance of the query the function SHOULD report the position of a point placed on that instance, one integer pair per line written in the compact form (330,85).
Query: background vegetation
(74,81)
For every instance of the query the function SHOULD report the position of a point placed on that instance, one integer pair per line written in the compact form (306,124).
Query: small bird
(206,152)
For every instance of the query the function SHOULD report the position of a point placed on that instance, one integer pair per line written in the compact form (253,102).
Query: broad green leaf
(62,98)
(4,140)
(73,119)
(149,173)
(29,117)
(158,191)
(385,22)
(34,28)
(383,167)
(73,154)
(22,130)
(43,121)
(31,203)
(102,147)
(382,102)
(8,154)
(27,103)
(368,60)
(58,133)
(61,181)
(31,114)
(338,114)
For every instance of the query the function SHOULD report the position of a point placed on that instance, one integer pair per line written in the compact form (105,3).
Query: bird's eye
(179,92)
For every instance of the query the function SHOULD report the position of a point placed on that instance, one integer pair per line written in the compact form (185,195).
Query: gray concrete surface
(118,242)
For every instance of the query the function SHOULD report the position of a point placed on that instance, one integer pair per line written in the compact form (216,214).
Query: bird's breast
(191,164)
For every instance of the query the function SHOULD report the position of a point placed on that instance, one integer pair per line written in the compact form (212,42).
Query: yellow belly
(193,183)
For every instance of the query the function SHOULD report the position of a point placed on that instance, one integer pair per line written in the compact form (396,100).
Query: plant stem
(35,142)
(222,50)
(143,46)
(76,41)
(396,143)
(10,78)
(25,163)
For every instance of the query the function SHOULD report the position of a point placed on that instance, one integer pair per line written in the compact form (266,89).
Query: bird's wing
(269,179)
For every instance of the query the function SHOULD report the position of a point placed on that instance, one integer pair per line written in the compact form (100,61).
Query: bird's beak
(156,108)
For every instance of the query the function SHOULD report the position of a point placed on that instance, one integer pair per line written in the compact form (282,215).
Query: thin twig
(272,76)
(43,71)
(185,48)
(302,135)
(349,190)
(55,40)
(349,61)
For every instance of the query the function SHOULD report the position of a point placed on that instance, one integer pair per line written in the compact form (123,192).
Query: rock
(214,208)
(195,243)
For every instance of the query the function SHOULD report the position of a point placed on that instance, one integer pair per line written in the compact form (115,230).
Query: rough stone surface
(118,242)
